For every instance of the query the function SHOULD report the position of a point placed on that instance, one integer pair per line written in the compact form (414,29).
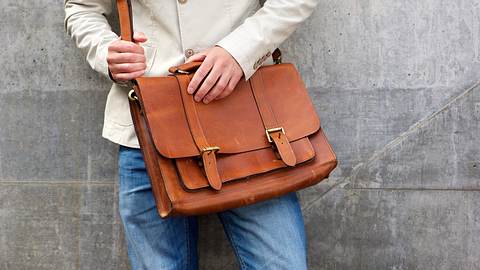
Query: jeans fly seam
(188,243)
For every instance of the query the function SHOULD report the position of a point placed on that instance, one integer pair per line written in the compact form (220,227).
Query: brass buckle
(270,130)
(132,96)
(210,149)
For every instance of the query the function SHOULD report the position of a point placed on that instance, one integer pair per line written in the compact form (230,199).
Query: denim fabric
(265,235)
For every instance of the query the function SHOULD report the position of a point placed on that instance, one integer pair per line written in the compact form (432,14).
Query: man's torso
(175,31)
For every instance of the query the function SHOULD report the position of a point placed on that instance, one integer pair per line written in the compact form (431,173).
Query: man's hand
(219,72)
(126,60)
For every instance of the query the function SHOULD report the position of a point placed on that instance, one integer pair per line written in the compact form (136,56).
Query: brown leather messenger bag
(262,141)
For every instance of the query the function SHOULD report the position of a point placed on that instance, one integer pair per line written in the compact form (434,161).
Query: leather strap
(274,131)
(186,68)
(151,158)
(126,21)
(207,151)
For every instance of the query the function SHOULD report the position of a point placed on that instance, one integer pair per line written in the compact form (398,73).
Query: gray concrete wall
(395,83)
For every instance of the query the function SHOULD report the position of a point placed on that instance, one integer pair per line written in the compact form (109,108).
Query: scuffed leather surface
(237,166)
(232,123)
(249,190)
(249,168)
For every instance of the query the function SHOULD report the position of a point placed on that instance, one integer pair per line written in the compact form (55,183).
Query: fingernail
(190,90)
(206,101)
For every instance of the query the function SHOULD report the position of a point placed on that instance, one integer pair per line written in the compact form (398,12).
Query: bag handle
(124,8)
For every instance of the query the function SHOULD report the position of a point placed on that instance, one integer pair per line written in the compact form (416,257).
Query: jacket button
(189,52)
(182,1)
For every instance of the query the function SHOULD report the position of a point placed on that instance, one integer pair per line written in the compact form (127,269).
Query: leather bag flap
(234,123)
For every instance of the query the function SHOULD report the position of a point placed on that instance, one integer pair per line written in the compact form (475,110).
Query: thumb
(196,57)
(139,37)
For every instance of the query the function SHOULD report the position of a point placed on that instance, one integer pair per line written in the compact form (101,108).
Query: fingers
(216,77)
(196,57)
(220,87)
(123,46)
(120,58)
(231,86)
(139,37)
(208,83)
(127,67)
(126,60)
(127,76)
(200,74)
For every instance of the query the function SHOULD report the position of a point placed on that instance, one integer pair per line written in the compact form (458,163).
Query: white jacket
(177,29)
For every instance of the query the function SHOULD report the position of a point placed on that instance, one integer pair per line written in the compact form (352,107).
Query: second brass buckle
(271,130)
(210,149)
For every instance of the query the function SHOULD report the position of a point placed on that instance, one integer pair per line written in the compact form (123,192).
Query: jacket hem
(120,134)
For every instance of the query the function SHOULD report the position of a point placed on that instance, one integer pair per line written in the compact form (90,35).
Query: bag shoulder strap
(124,8)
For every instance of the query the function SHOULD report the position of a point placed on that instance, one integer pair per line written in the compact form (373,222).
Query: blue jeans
(265,235)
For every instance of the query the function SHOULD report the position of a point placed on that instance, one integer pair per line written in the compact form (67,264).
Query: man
(233,38)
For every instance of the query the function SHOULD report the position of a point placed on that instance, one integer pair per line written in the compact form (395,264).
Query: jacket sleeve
(256,38)
(86,23)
